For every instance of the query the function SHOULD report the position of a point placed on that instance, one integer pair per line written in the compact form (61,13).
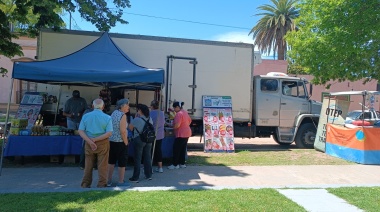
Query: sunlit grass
(189,200)
(265,158)
(365,198)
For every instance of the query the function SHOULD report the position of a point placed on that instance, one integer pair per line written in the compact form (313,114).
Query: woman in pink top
(182,132)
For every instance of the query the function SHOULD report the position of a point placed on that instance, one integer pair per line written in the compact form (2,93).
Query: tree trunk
(281,50)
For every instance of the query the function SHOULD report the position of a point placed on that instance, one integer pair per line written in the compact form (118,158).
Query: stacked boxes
(54,130)
(17,125)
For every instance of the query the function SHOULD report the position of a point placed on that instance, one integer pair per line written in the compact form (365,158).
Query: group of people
(106,139)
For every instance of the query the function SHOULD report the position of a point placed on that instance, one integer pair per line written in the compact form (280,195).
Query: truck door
(180,81)
(294,101)
(267,101)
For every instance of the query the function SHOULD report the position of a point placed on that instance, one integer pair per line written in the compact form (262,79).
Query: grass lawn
(190,200)
(265,158)
(365,198)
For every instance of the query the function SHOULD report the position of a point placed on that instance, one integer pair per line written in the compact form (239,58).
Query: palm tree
(271,29)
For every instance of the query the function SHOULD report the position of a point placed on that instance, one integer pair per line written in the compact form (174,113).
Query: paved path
(67,179)
(326,201)
(301,184)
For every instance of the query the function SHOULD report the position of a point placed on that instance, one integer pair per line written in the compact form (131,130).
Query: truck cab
(283,109)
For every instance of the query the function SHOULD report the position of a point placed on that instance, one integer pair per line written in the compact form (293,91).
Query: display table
(166,147)
(43,145)
(360,145)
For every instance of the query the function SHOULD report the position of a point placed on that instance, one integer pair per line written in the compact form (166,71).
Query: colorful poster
(333,111)
(218,124)
(30,107)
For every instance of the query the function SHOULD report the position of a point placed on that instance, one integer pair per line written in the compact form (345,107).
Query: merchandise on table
(15,130)
(19,123)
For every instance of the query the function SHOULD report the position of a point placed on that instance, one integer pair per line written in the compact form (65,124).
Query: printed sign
(333,111)
(30,107)
(218,128)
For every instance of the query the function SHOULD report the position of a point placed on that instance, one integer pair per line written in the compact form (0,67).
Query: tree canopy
(337,40)
(33,15)
(276,21)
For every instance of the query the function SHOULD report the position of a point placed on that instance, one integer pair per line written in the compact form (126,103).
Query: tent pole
(59,98)
(6,126)
(156,128)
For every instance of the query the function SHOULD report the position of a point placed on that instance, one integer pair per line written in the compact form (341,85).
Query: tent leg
(6,126)
(56,109)
(156,127)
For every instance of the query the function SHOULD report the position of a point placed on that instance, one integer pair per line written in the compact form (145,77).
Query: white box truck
(267,105)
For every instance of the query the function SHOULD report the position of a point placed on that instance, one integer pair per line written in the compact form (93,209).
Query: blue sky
(240,16)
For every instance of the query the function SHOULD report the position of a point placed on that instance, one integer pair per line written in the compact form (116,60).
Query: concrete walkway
(318,200)
(283,178)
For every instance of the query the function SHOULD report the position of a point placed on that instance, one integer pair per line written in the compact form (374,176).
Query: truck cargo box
(193,67)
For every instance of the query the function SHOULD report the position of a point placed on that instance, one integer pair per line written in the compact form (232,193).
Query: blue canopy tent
(101,63)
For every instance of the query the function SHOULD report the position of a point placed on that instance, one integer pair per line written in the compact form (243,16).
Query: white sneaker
(173,167)
(182,166)
(160,170)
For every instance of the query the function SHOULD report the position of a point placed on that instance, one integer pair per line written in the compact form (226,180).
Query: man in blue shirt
(96,128)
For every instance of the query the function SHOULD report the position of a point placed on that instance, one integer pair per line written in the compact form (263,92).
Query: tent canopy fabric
(101,63)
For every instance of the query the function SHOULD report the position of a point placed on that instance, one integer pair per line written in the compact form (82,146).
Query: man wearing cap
(74,108)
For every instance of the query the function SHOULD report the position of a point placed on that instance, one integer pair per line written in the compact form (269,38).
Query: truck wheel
(278,141)
(306,136)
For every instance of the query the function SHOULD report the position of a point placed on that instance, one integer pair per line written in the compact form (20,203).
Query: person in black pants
(158,118)
(182,132)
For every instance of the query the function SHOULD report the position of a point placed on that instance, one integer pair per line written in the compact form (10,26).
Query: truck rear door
(294,101)
(180,82)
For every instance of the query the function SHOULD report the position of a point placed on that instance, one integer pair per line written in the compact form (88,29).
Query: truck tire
(279,142)
(306,136)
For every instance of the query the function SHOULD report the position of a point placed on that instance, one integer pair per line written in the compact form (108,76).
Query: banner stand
(218,131)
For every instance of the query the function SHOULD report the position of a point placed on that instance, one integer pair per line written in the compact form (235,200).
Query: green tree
(295,69)
(337,40)
(276,21)
(32,15)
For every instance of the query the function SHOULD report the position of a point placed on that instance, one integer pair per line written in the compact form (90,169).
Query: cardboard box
(20,123)
(14,131)
(54,159)
(69,159)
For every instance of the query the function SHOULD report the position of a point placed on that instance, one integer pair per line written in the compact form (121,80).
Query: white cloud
(237,37)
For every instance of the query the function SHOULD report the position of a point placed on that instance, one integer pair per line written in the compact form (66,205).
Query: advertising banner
(333,111)
(218,131)
(358,145)
(30,107)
